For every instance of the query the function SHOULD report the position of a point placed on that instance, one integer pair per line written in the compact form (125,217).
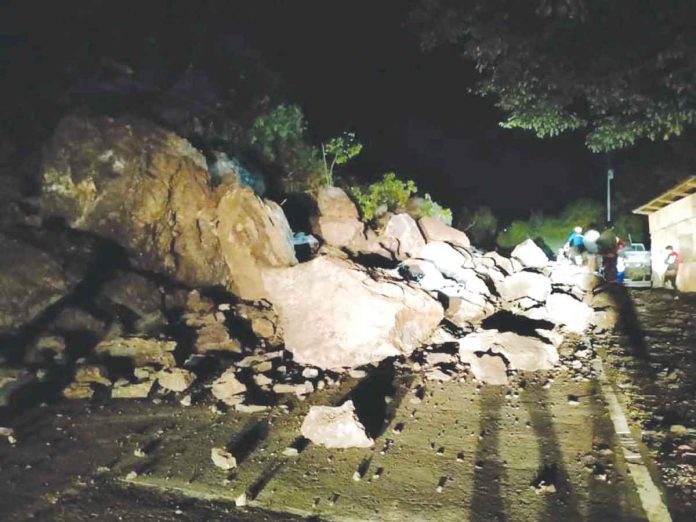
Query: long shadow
(487,500)
(628,322)
(561,505)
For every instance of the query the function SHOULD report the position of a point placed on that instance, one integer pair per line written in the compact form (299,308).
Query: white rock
(401,236)
(435,230)
(522,352)
(335,427)
(226,388)
(489,369)
(223,459)
(175,379)
(310,373)
(335,314)
(567,311)
(530,255)
(525,285)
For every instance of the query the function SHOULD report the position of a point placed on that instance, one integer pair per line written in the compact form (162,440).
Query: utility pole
(610,176)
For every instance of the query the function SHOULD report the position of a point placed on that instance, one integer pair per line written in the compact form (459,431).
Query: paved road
(543,449)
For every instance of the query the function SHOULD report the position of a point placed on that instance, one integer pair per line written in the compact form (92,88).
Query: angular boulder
(254,234)
(335,314)
(488,368)
(530,255)
(567,311)
(335,427)
(525,286)
(435,230)
(227,388)
(401,236)
(522,352)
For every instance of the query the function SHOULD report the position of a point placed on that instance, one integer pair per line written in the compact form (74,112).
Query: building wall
(675,225)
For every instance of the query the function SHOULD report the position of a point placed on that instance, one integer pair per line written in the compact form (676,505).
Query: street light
(610,176)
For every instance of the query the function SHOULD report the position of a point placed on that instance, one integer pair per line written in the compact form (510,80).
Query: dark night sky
(350,65)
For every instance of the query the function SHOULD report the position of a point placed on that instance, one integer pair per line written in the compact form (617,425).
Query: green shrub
(389,193)
(432,209)
(514,234)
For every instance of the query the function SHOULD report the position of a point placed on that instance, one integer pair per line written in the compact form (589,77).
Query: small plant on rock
(390,194)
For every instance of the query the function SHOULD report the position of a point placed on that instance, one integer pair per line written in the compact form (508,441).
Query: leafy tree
(338,151)
(619,70)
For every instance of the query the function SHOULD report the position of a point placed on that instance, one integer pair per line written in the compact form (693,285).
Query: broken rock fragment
(227,388)
(335,427)
(175,379)
(521,351)
(143,351)
(488,368)
(223,459)
(92,373)
(124,389)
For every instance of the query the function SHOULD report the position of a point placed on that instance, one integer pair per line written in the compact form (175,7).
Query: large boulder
(530,255)
(524,288)
(149,190)
(335,427)
(521,351)
(335,314)
(567,311)
(254,234)
(435,230)
(401,236)
(337,221)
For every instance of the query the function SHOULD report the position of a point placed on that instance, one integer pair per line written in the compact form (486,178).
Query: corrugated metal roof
(683,189)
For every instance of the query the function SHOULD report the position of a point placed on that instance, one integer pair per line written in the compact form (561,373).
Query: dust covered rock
(335,427)
(522,352)
(335,314)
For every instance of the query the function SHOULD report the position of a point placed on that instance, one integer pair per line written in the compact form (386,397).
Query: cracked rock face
(148,189)
(335,427)
(335,314)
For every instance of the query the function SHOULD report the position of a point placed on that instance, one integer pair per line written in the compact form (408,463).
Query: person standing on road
(672,260)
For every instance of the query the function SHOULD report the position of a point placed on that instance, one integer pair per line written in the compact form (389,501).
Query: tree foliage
(554,230)
(619,70)
(278,137)
(339,151)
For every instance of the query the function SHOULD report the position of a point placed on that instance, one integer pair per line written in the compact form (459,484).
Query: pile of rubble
(431,297)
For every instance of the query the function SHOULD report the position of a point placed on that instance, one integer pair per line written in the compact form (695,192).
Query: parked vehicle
(638,266)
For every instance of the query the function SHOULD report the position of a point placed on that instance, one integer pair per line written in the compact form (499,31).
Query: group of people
(585,249)
(588,248)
